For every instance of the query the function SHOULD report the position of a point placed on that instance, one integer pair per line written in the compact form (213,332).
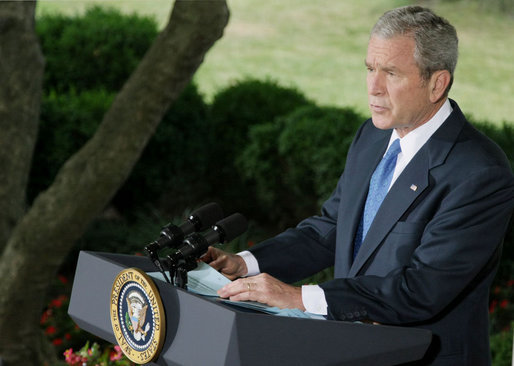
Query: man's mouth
(377,108)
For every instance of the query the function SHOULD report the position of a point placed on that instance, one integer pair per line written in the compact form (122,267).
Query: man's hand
(264,289)
(230,265)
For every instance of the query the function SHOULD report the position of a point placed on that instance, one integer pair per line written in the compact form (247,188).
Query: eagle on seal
(137,313)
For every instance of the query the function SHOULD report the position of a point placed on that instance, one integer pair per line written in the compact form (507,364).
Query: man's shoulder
(480,148)
(469,144)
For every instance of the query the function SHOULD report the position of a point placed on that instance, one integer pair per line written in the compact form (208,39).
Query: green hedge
(67,121)
(243,104)
(97,50)
(503,135)
(234,110)
(296,161)
(501,347)
(172,163)
(172,171)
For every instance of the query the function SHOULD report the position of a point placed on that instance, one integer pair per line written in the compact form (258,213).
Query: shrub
(99,49)
(173,166)
(503,135)
(501,348)
(260,165)
(173,161)
(246,103)
(316,141)
(233,112)
(114,234)
(67,121)
(501,306)
(295,163)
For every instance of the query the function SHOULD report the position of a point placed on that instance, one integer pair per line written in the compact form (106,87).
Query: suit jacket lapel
(353,200)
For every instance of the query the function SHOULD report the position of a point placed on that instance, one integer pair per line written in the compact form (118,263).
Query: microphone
(171,236)
(195,245)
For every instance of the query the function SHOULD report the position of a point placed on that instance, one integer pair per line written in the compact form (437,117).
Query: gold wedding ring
(249,285)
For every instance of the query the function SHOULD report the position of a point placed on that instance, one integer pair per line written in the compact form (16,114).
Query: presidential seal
(137,316)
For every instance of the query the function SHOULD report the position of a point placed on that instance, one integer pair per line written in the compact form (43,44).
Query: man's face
(398,97)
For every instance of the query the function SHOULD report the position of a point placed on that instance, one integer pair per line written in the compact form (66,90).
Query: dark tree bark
(21,75)
(42,237)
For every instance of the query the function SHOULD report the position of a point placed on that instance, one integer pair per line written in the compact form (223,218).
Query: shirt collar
(416,138)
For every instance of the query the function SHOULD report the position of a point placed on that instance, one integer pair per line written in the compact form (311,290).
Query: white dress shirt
(313,296)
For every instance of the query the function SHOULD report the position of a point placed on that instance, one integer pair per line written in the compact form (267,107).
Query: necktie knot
(393,150)
(381,179)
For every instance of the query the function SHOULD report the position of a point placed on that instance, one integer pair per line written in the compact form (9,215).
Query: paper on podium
(203,280)
(206,281)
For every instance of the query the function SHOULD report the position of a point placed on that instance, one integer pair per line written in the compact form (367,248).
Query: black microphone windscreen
(233,226)
(208,215)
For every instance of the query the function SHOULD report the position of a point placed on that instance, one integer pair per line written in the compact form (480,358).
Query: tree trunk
(21,75)
(89,179)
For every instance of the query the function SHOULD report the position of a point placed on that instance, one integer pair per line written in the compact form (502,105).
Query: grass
(319,47)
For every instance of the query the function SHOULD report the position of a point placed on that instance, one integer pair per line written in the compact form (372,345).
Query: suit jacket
(431,253)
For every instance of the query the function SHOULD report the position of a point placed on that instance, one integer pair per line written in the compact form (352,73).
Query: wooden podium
(202,331)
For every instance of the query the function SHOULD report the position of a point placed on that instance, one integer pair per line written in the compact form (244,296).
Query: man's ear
(439,82)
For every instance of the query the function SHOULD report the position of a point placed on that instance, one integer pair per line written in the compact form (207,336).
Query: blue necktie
(378,188)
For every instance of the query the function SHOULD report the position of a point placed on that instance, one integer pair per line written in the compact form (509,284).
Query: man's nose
(376,84)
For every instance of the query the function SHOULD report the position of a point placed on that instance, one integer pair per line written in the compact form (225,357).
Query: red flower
(67,336)
(56,303)
(250,244)
(50,330)
(57,341)
(116,354)
(68,354)
(45,316)
(510,283)
(73,358)
(504,303)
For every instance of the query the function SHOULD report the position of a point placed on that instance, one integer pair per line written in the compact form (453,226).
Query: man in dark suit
(414,233)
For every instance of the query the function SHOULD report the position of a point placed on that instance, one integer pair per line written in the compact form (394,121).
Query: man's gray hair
(435,38)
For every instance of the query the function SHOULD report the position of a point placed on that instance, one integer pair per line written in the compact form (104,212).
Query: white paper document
(206,281)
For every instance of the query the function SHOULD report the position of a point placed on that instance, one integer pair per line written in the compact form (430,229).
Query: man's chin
(382,123)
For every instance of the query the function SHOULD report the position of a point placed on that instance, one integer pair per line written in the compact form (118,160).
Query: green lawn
(319,47)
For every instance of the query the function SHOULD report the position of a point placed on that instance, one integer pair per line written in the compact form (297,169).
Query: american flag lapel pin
(414,187)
